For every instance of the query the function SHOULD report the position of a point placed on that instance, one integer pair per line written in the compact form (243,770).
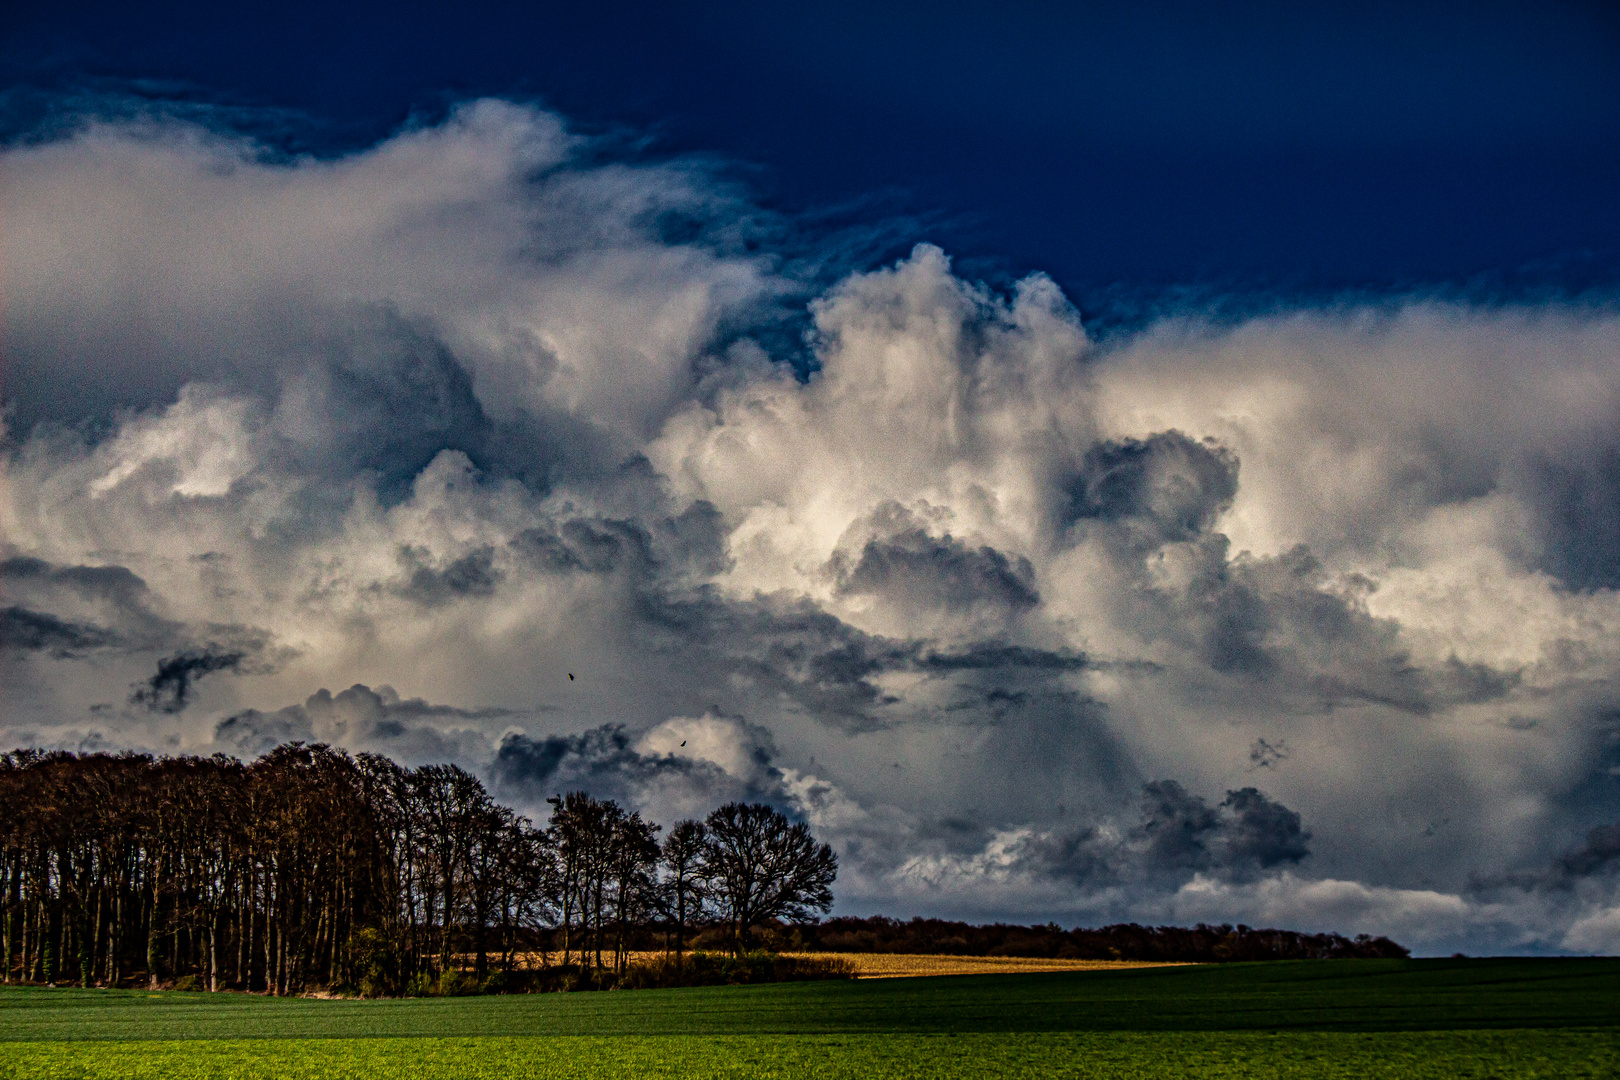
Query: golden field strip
(911,965)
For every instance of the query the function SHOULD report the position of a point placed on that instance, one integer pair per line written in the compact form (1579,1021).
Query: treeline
(311,868)
(314,869)
(1124,941)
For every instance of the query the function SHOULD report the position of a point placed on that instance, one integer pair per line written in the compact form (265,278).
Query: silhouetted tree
(761,866)
(684,890)
(632,864)
(583,828)
(310,868)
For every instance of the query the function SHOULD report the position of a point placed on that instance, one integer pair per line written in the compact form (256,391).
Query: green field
(1407,1019)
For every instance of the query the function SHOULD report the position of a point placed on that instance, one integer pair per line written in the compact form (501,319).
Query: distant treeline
(1124,941)
(311,869)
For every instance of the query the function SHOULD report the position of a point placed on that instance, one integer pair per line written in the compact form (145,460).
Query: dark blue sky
(1295,147)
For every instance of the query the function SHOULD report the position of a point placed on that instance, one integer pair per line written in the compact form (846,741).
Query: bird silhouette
(683,742)
(570,676)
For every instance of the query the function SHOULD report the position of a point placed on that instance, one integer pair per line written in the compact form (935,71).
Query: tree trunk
(98,933)
(680,920)
(10,916)
(114,938)
(568,922)
(83,940)
(598,920)
(151,937)
(26,971)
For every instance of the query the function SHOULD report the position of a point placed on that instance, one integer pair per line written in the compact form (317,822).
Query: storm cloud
(1167,485)
(169,689)
(1304,618)
(24,630)
(680,768)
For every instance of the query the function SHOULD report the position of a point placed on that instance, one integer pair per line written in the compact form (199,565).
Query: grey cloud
(1591,861)
(66,610)
(1281,620)
(792,648)
(1264,754)
(374,392)
(80,610)
(1168,486)
(601,761)
(1079,858)
(691,542)
(696,539)
(361,718)
(473,574)
(251,733)
(1110,868)
(1599,854)
(1236,622)
(169,688)
(1179,834)
(994,656)
(114,583)
(1176,827)
(1578,513)
(1259,832)
(1278,618)
(786,647)
(1456,682)
(22,630)
(582,546)
(606,762)
(384,705)
(909,566)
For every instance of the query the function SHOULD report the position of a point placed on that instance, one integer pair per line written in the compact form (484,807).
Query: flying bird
(570,676)
(683,742)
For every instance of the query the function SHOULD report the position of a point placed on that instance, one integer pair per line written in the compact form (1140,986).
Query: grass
(1406,1019)
(1334,995)
(1193,1055)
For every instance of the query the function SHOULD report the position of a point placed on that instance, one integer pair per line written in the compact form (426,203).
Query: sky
(1143,462)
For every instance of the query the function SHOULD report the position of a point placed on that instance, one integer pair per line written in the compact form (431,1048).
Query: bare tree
(684,889)
(453,806)
(583,829)
(632,862)
(309,867)
(761,866)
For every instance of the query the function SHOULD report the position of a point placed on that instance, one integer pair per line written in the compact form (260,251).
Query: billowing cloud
(683,767)
(1308,618)
(411,731)
(1165,487)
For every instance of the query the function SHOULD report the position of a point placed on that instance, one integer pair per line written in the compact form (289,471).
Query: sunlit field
(906,965)
(1407,1019)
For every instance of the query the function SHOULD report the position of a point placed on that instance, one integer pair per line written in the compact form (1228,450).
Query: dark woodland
(313,869)
(1124,941)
